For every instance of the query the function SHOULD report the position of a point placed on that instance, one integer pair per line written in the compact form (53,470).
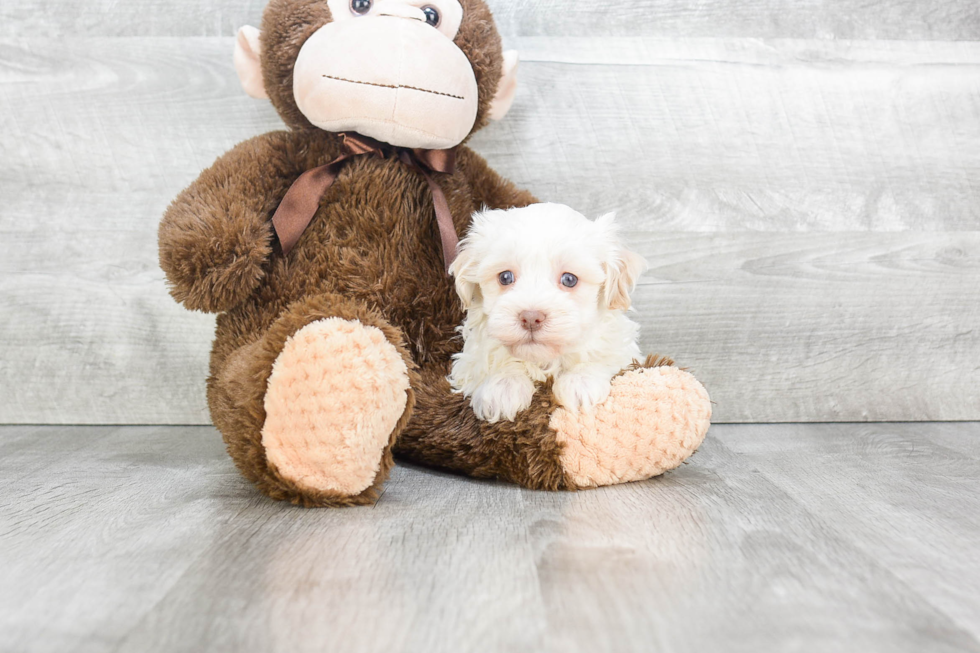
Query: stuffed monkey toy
(323,250)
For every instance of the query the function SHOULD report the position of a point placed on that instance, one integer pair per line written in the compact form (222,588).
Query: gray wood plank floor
(774,538)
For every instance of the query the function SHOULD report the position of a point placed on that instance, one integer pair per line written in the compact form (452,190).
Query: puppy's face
(542,275)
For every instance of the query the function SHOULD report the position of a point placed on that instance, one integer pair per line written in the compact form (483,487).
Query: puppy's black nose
(532,320)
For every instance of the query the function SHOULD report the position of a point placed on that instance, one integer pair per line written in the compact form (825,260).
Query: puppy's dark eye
(360,7)
(505,278)
(569,280)
(432,16)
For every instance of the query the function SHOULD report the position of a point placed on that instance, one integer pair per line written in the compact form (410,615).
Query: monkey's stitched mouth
(396,86)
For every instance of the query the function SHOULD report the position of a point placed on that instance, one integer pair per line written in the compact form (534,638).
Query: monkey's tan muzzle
(395,79)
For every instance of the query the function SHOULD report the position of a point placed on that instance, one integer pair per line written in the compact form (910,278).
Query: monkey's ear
(506,89)
(247,63)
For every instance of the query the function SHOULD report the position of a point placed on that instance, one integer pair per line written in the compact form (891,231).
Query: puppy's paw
(582,390)
(502,397)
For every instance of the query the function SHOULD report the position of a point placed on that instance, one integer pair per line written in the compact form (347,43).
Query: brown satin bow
(303,198)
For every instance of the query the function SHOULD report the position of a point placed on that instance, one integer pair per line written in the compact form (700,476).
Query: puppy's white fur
(586,336)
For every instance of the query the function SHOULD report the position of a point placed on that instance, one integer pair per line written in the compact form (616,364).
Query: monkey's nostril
(532,320)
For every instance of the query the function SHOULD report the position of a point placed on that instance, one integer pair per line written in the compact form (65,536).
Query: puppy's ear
(622,270)
(621,277)
(462,269)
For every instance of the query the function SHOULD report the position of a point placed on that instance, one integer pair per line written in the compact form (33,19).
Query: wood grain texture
(907,493)
(67,19)
(784,537)
(811,210)
(802,19)
(728,135)
(679,135)
(843,19)
(819,327)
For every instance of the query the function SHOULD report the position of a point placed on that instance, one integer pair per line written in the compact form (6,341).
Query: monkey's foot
(652,421)
(336,393)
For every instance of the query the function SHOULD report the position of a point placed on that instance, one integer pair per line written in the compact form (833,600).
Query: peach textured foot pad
(336,392)
(652,421)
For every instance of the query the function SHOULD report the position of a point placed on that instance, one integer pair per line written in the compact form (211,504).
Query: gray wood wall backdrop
(803,175)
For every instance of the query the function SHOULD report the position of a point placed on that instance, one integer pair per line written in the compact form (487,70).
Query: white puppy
(546,292)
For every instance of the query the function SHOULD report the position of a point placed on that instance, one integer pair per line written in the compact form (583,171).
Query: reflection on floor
(783,537)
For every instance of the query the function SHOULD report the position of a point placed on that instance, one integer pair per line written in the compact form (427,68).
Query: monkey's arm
(489,188)
(216,236)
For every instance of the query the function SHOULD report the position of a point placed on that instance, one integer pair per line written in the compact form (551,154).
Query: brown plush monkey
(331,352)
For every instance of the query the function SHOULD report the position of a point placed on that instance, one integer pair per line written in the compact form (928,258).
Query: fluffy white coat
(584,337)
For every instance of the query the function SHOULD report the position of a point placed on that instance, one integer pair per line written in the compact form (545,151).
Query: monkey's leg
(655,417)
(311,409)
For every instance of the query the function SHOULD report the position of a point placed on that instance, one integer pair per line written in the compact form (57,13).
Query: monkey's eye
(432,16)
(505,278)
(360,7)
(569,280)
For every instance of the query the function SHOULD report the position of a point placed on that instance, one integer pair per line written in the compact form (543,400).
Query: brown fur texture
(238,382)
(447,435)
(370,254)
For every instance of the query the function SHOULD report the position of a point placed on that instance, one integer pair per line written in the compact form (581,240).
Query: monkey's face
(388,69)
